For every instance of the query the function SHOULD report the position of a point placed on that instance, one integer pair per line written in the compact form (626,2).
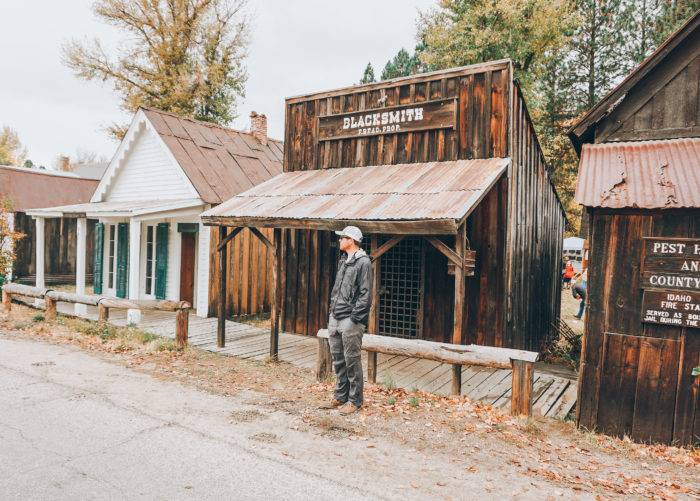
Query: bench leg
(182,324)
(456,379)
(372,366)
(102,313)
(324,364)
(521,395)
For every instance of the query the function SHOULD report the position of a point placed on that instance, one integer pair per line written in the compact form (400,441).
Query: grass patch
(413,401)
(391,400)
(389,382)
(38,318)
(124,338)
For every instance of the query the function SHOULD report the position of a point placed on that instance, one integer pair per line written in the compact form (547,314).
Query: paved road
(75,426)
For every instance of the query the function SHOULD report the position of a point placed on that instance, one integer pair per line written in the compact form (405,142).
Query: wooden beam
(521,399)
(460,244)
(142,304)
(6,300)
(50,309)
(385,247)
(390,227)
(182,322)
(262,238)
(276,296)
(453,256)
(221,304)
(102,313)
(324,363)
(373,324)
(234,232)
(470,354)
(69,297)
(25,290)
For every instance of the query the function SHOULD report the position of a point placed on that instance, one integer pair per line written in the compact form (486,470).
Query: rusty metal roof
(32,188)
(220,162)
(419,198)
(644,174)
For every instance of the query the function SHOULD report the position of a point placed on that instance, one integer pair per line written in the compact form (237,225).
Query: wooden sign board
(671,263)
(679,308)
(437,114)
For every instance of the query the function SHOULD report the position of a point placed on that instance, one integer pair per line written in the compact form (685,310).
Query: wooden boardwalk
(554,393)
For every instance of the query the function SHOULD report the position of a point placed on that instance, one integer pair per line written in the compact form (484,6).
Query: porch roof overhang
(131,208)
(418,198)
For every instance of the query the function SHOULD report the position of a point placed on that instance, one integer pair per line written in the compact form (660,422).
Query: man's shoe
(348,408)
(333,404)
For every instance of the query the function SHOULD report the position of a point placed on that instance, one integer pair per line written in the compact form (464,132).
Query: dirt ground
(459,441)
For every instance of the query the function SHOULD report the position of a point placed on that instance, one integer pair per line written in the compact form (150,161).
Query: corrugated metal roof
(128,208)
(32,188)
(219,162)
(645,174)
(404,192)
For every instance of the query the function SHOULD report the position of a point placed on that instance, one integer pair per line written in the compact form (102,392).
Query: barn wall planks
(61,258)
(249,279)
(629,379)
(516,230)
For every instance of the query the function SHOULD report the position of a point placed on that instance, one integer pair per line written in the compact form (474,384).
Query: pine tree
(368,75)
(401,65)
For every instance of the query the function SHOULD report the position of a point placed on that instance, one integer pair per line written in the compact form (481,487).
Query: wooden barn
(639,181)
(444,173)
(28,189)
(149,242)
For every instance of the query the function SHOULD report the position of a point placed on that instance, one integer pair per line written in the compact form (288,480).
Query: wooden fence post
(102,313)
(6,300)
(521,396)
(324,363)
(182,327)
(50,308)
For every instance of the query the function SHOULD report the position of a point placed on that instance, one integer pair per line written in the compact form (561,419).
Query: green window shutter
(162,234)
(122,258)
(97,258)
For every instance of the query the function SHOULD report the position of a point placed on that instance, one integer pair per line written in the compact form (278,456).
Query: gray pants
(345,340)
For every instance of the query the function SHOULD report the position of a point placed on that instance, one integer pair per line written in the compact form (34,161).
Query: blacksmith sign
(671,281)
(437,114)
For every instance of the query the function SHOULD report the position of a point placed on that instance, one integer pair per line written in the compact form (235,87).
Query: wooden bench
(521,362)
(104,304)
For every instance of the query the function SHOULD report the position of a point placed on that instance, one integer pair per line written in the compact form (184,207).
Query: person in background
(568,272)
(579,291)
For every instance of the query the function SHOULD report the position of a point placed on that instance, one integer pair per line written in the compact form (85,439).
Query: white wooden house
(149,242)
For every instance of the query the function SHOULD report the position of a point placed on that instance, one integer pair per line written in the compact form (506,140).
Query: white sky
(297,47)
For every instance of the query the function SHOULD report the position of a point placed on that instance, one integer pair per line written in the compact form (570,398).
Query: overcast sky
(297,47)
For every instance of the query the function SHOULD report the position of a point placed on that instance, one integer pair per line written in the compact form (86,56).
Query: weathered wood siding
(486,103)
(629,381)
(535,239)
(60,246)
(664,104)
(249,280)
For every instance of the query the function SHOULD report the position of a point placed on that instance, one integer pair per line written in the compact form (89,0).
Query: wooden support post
(6,300)
(50,308)
(324,363)
(521,393)
(373,324)
(182,323)
(460,242)
(223,257)
(102,313)
(276,295)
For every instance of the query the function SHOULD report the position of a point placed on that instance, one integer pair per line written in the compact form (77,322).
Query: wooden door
(187,264)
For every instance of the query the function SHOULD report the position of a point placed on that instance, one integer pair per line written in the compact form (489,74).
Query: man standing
(351,299)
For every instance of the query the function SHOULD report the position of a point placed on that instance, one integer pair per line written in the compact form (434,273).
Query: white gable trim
(138,125)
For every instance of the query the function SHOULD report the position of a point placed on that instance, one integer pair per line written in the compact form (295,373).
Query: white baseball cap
(352,232)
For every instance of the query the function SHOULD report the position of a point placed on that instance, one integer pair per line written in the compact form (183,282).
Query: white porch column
(80,250)
(39,264)
(204,260)
(134,316)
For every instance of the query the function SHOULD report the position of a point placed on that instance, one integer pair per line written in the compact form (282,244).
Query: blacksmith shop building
(444,174)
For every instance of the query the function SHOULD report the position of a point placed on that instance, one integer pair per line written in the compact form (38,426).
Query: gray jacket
(352,292)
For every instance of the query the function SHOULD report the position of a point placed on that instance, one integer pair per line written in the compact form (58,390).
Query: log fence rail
(520,361)
(103,304)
